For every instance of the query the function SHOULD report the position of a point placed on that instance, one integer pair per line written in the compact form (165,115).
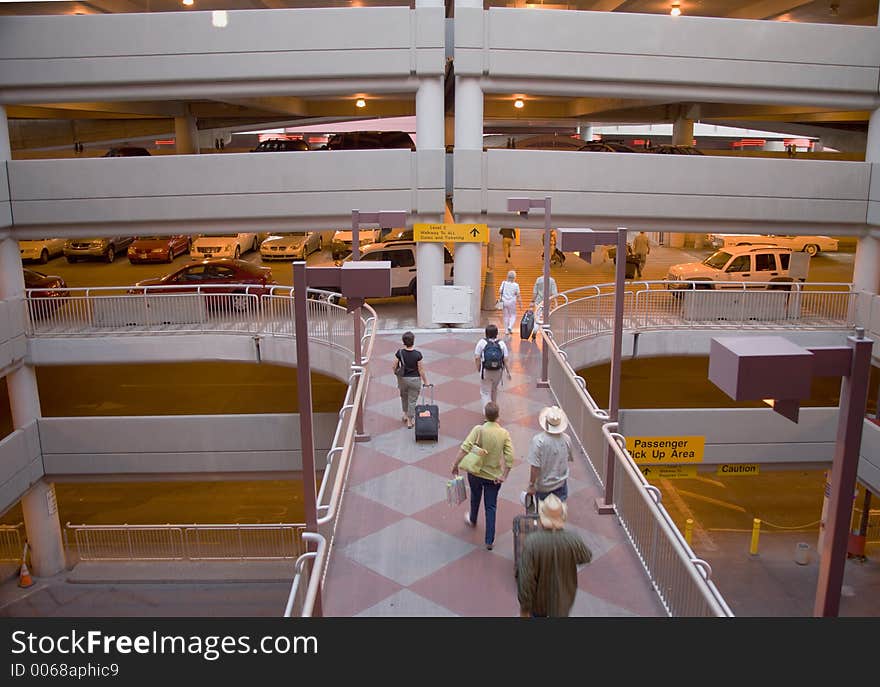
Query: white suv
(733,266)
(402,256)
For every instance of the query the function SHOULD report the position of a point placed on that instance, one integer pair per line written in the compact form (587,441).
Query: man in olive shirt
(548,566)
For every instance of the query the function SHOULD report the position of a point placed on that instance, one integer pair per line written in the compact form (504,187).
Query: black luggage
(631,264)
(427,424)
(527,324)
(523,526)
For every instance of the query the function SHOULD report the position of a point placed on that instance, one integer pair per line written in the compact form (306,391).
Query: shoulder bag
(401,367)
(473,461)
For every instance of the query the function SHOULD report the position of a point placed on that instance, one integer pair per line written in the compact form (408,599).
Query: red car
(215,276)
(52,291)
(158,248)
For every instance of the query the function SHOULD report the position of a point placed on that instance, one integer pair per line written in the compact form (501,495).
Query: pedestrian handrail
(681,579)
(170,542)
(11,542)
(653,305)
(306,583)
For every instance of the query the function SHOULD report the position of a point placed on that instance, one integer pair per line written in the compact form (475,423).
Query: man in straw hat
(547,579)
(550,452)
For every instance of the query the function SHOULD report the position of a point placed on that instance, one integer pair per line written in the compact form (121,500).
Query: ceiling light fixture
(834,9)
(676,9)
(361,102)
(188,3)
(518,104)
(219,18)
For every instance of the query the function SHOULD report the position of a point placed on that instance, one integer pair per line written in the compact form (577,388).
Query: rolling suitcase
(631,265)
(427,424)
(527,324)
(523,526)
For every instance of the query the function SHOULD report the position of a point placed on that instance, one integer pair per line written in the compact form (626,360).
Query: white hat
(552,512)
(553,420)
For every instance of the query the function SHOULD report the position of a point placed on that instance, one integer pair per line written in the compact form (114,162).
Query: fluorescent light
(361,102)
(676,10)
(188,3)
(518,104)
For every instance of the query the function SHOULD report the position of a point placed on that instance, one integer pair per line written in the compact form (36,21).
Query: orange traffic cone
(24,578)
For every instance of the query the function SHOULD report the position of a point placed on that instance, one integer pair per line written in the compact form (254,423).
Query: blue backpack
(493,356)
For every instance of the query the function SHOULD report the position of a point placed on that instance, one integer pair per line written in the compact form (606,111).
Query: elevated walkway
(401,550)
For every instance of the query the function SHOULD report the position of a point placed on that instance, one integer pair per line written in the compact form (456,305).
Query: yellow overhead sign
(737,469)
(653,450)
(460,233)
(668,471)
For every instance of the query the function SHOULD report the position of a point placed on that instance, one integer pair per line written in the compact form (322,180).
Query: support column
(186,135)
(683,132)
(866,270)
(469,137)
(430,135)
(585,131)
(43,529)
(5,148)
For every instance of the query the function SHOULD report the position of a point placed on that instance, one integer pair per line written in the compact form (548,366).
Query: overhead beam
(114,6)
(286,105)
(766,9)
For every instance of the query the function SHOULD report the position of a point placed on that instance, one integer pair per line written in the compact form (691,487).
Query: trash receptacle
(802,553)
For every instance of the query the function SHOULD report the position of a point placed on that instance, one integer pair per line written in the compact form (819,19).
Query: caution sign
(737,469)
(459,233)
(653,450)
(668,471)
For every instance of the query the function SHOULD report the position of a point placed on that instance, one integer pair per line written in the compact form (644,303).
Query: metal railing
(682,581)
(194,542)
(11,543)
(244,309)
(306,584)
(653,305)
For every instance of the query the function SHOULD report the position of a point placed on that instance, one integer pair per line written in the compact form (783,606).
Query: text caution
(461,233)
(652,450)
(737,469)
(668,471)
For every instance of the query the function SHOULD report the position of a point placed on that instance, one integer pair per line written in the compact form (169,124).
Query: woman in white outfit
(510,297)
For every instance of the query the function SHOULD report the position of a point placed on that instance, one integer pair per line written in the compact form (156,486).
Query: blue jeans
(560,491)
(488,489)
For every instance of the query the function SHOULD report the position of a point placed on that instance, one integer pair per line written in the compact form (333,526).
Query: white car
(402,256)
(223,246)
(294,245)
(341,244)
(811,245)
(733,266)
(41,250)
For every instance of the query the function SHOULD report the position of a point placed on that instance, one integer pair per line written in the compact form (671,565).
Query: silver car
(293,245)
(103,248)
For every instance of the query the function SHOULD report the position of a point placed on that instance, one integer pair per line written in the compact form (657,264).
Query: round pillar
(5,147)
(468,271)
(43,529)
(186,135)
(866,270)
(683,132)
(429,258)
(468,113)
(585,131)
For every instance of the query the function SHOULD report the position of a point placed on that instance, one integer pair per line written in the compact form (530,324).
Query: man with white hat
(550,452)
(547,576)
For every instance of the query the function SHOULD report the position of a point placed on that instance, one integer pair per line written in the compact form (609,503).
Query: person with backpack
(491,357)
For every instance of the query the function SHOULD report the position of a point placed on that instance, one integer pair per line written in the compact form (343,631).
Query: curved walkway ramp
(401,550)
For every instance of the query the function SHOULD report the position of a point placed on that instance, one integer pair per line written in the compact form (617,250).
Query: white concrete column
(866,270)
(43,529)
(430,135)
(469,137)
(186,135)
(683,132)
(585,131)
(5,147)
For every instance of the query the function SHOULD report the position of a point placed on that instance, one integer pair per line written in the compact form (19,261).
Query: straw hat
(552,513)
(553,420)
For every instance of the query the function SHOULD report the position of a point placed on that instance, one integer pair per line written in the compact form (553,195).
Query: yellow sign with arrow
(456,233)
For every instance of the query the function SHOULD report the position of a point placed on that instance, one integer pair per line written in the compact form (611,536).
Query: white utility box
(451,304)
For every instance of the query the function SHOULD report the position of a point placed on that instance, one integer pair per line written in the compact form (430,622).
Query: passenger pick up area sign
(458,233)
(657,450)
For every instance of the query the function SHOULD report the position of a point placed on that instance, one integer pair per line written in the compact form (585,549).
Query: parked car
(216,276)
(223,246)
(40,250)
(293,245)
(669,149)
(127,151)
(158,248)
(402,256)
(606,147)
(359,140)
(48,294)
(276,145)
(809,244)
(340,246)
(734,266)
(103,248)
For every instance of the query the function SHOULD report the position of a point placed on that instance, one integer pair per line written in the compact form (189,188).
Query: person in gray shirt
(550,452)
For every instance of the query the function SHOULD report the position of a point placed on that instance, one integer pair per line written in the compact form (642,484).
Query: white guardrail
(589,310)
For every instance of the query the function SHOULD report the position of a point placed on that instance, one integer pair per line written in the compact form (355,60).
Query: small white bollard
(802,553)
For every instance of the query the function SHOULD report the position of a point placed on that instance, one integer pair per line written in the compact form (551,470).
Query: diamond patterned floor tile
(588,606)
(359,587)
(407,551)
(401,443)
(369,463)
(407,490)
(406,604)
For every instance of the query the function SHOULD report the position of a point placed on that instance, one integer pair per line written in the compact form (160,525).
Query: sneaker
(467,519)
(489,547)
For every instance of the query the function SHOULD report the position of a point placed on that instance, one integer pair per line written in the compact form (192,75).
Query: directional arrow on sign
(475,232)
(646,471)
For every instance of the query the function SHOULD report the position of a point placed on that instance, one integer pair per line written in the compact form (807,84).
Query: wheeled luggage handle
(424,395)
